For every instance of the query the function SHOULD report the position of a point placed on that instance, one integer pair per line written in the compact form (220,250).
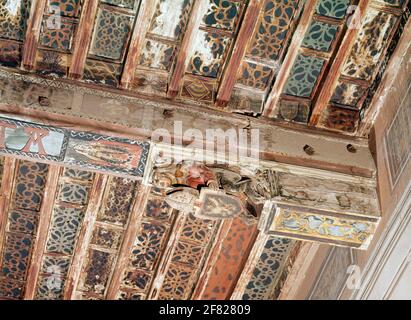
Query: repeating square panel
(320,36)
(111,33)
(304,76)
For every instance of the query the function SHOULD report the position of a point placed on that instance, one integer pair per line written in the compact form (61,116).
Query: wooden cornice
(83,38)
(33,33)
(243,40)
(42,231)
(334,73)
(186,47)
(293,50)
(141,25)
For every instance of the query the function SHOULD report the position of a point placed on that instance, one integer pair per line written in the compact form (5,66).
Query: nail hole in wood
(308,150)
(351,148)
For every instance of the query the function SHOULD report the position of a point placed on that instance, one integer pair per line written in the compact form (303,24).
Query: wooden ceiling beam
(6,189)
(33,33)
(333,75)
(141,26)
(129,238)
(243,41)
(83,239)
(293,51)
(83,38)
(42,230)
(183,57)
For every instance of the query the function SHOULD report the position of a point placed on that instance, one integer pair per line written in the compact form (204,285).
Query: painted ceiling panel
(333,8)
(273,28)
(222,14)
(19,237)
(67,8)
(58,31)
(111,33)
(261,285)
(67,218)
(157,55)
(320,36)
(210,50)
(348,94)
(14,16)
(369,46)
(170,18)
(229,263)
(304,76)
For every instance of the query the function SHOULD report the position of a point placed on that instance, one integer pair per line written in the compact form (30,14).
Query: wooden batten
(6,189)
(334,73)
(83,38)
(129,238)
(243,40)
(80,252)
(42,231)
(140,28)
(186,46)
(33,33)
(293,50)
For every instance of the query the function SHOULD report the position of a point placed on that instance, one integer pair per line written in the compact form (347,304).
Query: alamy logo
(216,146)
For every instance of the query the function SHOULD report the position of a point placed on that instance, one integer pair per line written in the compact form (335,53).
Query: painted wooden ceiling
(71,234)
(316,62)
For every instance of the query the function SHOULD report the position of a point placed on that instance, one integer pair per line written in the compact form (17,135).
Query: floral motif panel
(304,76)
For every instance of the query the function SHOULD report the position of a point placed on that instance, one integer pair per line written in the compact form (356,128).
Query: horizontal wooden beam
(137,119)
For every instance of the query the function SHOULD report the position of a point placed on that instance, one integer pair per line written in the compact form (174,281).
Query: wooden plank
(6,189)
(80,252)
(293,51)
(335,70)
(140,28)
(249,267)
(243,41)
(42,231)
(33,33)
(83,38)
(194,22)
(129,238)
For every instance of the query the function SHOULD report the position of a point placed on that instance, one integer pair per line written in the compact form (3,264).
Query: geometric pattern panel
(304,75)
(320,36)
(13,19)
(110,35)
(332,8)
(268,269)
(273,29)
(22,220)
(222,14)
